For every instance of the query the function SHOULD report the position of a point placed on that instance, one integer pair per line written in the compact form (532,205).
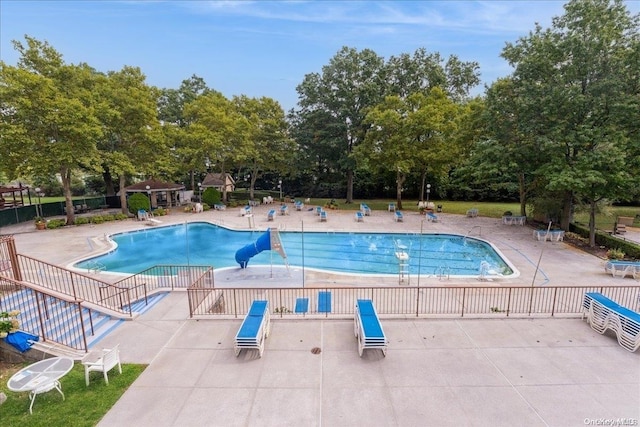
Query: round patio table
(41,377)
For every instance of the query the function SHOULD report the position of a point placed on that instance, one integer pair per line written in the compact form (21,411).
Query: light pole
(39,193)
(428,191)
(280,187)
(149,196)
(200,191)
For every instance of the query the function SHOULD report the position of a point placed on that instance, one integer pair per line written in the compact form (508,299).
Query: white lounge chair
(323,216)
(367,328)
(110,359)
(432,217)
(254,329)
(392,207)
(359,217)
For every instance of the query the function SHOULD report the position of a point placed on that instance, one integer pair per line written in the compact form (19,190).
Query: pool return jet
(270,240)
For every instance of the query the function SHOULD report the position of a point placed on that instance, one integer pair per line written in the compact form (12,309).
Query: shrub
(56,223)
(120,216)
(82,220)
(138,201)
(160,212)
(98,219)
(211,196)
(507,213)
(615,254)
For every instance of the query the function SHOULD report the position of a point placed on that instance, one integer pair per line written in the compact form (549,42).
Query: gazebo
(160,193)
(15,201)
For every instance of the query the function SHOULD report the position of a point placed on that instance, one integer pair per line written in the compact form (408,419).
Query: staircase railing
(54,318)
(79,286)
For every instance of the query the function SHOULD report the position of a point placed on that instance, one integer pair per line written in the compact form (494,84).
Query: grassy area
(604,220)
(83,406)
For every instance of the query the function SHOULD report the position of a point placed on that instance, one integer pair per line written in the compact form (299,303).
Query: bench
(367,328)
(604,313)
(254,329)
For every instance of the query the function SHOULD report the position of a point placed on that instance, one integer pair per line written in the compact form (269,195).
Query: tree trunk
(123,195)
(592,224)
(423,183)
(349,187)
(65,174)
(567,210)
(108,182)
(522,194)
(399,183)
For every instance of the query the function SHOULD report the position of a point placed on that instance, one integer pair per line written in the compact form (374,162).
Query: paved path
(472,372)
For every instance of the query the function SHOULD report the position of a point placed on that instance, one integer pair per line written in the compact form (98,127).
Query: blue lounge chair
(359,216)
(271,215)
(323,216)
(318,210)
(432,217)
(367,328)
(284,210)
(302,305)
(392,207)
(364,208)
(324,302)
(399,217)
(254,329)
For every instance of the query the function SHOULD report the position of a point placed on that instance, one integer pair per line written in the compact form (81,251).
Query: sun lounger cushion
(302,305)
(324,302)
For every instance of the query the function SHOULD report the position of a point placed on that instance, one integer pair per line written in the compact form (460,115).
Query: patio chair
(359,217)
(365,209)
(55,385)
(284,210)
(367,328)
(323,216)
(271,215)
(254,329)
(143,215)
(110,359)
(324,302)
(392,207)
(432,217)
(398,216)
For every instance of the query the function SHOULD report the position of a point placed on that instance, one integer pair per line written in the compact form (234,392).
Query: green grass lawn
(83,406)
(604,220)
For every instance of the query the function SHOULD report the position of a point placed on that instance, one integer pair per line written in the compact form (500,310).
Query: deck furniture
(432,217)
(367,328)
(359,217)
(514,220)
(271,215)
(604,313)
(323,216)
(623,268)
(472,213)
(254,328)
(41,377)
(391,207)
(324,302)
(109,359)
(302,305)
(398,216)
(550,235)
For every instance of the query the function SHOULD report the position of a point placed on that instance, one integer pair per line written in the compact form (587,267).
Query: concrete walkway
(475,372)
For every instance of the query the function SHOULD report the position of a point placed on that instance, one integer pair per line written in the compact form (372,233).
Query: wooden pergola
(14,201)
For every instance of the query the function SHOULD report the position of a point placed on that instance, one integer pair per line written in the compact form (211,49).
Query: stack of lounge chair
(367,328)
(254,329)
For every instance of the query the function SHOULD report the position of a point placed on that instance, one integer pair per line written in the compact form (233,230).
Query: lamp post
(428,191)
(39,193)
(149,196)
(280,187)
(200,191)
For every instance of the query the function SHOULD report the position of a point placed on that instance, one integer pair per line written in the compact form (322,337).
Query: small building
(160,193)
(215,180)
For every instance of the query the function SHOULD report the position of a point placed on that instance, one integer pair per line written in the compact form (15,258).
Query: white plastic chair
(109,360)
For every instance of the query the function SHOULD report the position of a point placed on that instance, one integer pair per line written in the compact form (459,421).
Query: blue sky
(265,48)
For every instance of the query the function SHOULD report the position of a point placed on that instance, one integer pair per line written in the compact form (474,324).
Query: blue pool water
(355,253)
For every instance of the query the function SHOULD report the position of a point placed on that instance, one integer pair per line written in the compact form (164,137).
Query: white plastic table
(41,377)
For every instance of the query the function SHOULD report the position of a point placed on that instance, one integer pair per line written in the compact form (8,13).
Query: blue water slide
(252,249)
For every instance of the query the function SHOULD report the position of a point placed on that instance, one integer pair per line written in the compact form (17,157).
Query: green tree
(268,146)
(49,124)
(573,81)
(347,87)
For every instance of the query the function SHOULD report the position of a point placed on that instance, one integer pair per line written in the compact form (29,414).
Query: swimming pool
(354,253)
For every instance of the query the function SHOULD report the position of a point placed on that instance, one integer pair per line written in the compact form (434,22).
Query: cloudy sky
(265,48)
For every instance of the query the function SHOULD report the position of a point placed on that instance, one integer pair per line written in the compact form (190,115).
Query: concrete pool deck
(477,372)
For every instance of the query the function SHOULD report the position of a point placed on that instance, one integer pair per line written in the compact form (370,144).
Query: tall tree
(268,147)
(347,87)
(48,119)
(132,142)
(574,81)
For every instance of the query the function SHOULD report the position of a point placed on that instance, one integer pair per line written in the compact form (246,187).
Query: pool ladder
(442,272)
